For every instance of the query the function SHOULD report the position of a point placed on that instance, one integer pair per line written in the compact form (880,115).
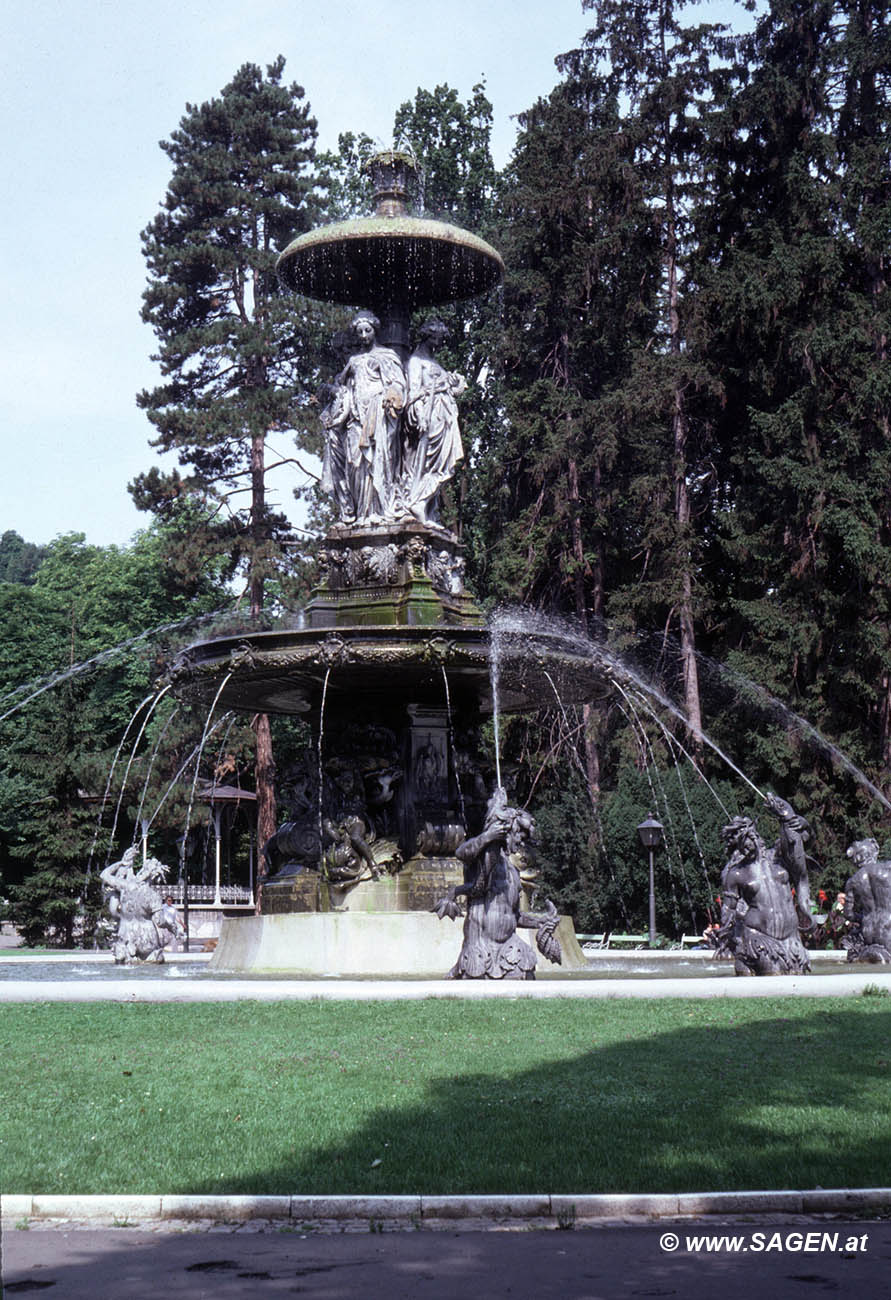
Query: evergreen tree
(19,560)
(794,284)
(581,273)
(233,359)
(668,74)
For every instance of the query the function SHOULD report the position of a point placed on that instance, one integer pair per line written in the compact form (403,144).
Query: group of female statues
(391,432)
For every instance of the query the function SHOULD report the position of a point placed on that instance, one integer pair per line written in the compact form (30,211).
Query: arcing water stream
(519,629)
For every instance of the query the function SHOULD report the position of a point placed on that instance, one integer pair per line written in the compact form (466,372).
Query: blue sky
(87,89)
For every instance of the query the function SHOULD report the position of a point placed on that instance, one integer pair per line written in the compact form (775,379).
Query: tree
(582,271)
(451,142)
(80,648)
(670,75)
(794,287)
(232,355)
(19,560)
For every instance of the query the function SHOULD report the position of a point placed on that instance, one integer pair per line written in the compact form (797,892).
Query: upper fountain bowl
(391,260)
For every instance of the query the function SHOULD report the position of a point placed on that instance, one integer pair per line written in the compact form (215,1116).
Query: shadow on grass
(789,1102)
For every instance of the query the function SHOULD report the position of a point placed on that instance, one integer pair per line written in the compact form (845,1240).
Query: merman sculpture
(492,949)
(868,905)
(146,924)
(759,922)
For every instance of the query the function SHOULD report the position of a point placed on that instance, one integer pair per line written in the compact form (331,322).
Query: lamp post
(650,832)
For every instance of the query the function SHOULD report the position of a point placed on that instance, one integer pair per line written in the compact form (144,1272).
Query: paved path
(165,989)
(608,1262)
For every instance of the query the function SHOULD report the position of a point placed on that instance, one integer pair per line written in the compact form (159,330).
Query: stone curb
(562,1210)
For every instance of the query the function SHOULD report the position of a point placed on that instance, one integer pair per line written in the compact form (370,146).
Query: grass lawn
(444,1096)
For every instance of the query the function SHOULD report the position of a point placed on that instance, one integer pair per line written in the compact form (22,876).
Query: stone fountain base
(357,945)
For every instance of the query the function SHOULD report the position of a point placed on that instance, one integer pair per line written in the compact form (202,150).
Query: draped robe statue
(362,463)
(432,443)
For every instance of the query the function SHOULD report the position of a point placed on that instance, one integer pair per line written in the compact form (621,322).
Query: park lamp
(650,832)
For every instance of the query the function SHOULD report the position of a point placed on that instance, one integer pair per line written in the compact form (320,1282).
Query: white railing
(229,895)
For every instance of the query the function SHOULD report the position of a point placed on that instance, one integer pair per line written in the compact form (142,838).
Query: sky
(87,90)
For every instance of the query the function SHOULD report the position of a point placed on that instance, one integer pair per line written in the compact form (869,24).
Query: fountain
(391,662)
(394,669)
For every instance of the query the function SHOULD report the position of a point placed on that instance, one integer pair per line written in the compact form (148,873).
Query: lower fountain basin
(285,671)
(355,945)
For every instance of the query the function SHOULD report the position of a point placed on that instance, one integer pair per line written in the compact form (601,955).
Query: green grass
(445,1097)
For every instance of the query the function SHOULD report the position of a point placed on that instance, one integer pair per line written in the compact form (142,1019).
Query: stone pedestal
(430,879)
(391,575)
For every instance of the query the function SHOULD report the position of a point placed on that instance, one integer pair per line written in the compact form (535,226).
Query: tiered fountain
(391,662)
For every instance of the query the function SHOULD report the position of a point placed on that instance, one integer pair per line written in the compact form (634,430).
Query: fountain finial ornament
(394,181)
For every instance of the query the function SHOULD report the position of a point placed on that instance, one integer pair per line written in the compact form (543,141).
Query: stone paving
(207,989)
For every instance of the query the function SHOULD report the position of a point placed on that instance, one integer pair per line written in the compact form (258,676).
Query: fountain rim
(416,229)
(301,657)
(479,634)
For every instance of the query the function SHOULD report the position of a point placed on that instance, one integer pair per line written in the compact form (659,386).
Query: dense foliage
(82,646)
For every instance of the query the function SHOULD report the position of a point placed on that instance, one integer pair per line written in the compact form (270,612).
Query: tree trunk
(592,758)
(885,721)
(692,703)
(264,763)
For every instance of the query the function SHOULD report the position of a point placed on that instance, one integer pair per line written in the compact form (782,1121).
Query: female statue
(361,461)
(432,445)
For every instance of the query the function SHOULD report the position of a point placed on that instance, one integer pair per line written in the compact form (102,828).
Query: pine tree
(668,74)
(231,352)
(794,279)
(582,267)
